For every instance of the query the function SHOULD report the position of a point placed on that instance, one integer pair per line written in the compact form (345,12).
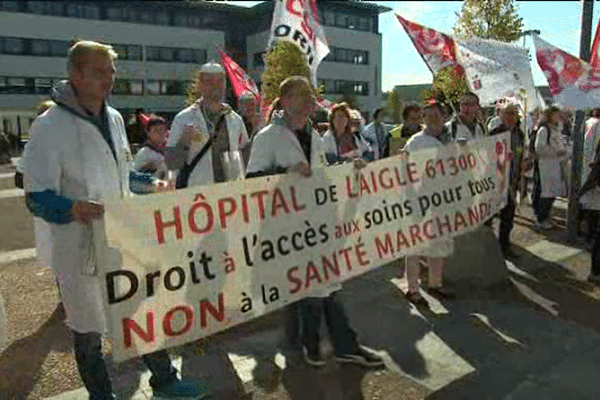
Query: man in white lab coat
(78,158)
(205,136)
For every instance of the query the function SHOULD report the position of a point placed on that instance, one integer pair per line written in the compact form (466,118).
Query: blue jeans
(342,336)
(92,366)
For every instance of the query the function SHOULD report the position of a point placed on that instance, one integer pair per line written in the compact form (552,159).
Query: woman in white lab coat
(339,142)
(551,157)
(289,144)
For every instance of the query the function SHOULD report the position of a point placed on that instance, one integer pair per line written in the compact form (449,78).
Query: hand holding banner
(203,259)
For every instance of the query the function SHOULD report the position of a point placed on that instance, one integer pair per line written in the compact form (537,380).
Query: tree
(395,104)
(447,87)
(283,60)
(489,19)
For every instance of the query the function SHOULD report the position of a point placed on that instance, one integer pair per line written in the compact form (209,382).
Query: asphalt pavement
(534,336)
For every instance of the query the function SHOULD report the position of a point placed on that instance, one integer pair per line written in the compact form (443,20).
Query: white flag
(496,70)
(297,21)
(572,81)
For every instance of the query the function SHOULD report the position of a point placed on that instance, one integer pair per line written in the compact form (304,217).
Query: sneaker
(362,357)
(594,278)
(183,390)
(313,357)
(416,299)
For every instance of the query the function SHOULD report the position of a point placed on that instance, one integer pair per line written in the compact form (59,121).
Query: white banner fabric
(297,21)
(189,263)
(496,70)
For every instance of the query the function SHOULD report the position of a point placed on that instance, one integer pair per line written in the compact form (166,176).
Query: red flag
(572,81)
(594,56)
(240,81)
(437,50)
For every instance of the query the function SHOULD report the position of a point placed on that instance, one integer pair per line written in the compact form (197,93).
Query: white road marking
(16,255)
(7,193)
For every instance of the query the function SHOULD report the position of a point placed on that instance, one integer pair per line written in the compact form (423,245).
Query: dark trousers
(507,215)
(596,254)
(544,208)
(537,188)
(342,336)
(92,366)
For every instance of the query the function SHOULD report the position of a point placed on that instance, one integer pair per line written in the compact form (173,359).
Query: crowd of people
(79,156)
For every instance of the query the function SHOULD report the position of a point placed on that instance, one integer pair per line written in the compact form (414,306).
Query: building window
(136,87)
(128,52)
(184,19)
(59,48)
(162,18)
(40,47)
(116,13)
(43,85)
(152,87)
(347,87)
(154,53)
(128,87)
(13,45)
(46,7)
(172,88)
(18,85)
(358,57)
(363,24)
(341,20)
(86,11)
(185,55)
(9,6)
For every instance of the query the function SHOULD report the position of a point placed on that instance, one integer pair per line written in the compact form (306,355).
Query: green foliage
(447,87)
(283,60)
(489,19)
(394,105)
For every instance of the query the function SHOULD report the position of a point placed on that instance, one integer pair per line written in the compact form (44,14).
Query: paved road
(534,337)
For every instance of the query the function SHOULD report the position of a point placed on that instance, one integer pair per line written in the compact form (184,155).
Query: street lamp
(529,32)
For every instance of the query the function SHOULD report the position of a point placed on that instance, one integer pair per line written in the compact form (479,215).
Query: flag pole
(577,136)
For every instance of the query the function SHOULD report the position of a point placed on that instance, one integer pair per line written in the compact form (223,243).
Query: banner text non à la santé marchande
(187,264)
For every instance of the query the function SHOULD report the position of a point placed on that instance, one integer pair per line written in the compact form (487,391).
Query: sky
(558,21)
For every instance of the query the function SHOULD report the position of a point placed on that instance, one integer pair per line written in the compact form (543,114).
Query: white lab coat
(41,228)
(463,133)
(329,145)
(591,199)
(552,167)
(68,154)
(203,172)
(420,141)
(277,146)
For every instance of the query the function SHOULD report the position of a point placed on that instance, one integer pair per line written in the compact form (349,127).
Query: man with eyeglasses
(464,126)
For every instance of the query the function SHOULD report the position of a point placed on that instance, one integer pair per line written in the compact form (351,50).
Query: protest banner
(297,21)
(496,70)
(572,82)
(189,263)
